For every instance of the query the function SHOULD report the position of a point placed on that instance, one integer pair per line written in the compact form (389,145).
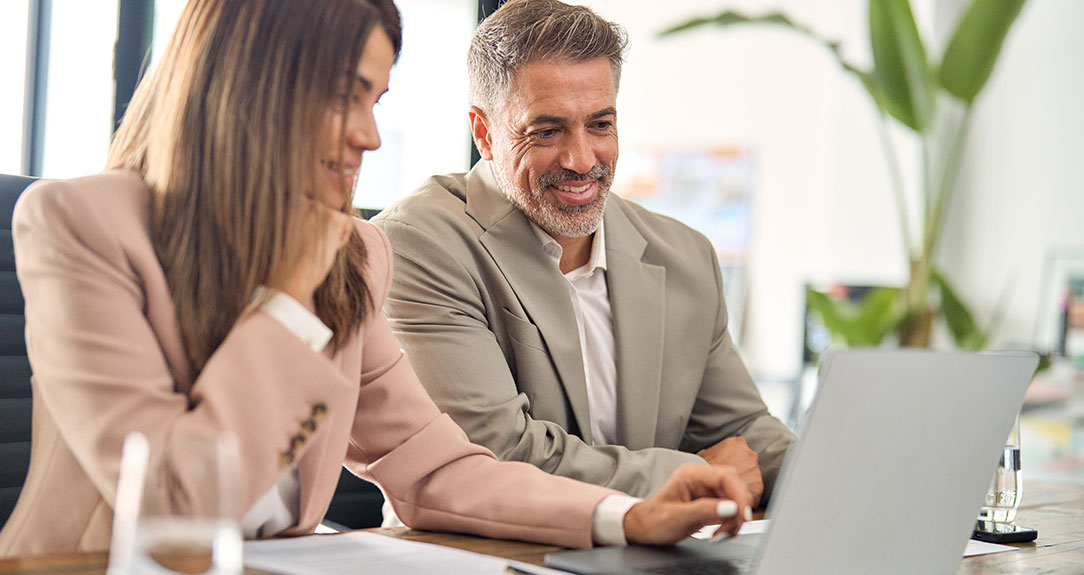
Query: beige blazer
(486,315)
(107,359)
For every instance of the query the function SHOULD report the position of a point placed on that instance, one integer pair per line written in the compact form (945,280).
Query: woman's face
(370,82)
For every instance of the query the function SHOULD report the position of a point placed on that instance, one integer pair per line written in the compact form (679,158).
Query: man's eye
(544,134)
(603,125)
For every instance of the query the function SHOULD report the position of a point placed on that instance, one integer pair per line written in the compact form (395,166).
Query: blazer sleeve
(439,312)
(729,403)
(99,364)
(431,473)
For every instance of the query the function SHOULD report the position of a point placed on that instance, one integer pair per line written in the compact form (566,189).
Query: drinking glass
(1003,496)
(151,537)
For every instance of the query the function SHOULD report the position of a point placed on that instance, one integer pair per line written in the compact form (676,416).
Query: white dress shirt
(595,321)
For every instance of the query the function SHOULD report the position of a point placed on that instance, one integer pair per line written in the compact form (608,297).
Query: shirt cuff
(608,521)
(295,317)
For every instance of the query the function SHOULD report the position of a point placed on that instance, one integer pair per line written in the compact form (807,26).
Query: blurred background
(753,134)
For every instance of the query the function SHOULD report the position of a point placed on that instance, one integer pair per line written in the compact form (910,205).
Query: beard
(543,208)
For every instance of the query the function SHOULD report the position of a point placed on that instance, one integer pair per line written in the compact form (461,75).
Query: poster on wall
(709,189)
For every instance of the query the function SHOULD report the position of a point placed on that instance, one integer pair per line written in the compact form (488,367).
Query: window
(79,102)
(423,117)
(14,24)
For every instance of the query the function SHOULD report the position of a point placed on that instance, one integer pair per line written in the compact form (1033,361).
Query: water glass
(150,537)
(1003,496)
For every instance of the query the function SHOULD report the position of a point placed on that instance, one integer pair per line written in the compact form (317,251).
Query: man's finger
(733,488)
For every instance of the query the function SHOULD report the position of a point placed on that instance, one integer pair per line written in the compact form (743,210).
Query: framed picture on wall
(1059,326)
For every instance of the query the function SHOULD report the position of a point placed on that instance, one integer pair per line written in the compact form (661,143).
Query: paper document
(355,552)
(761,526)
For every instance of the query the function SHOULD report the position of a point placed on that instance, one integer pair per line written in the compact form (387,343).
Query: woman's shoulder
(377,258)
(107,214)
(112,200)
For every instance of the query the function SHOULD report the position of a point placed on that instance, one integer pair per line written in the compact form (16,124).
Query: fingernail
(748,513)
(726,509)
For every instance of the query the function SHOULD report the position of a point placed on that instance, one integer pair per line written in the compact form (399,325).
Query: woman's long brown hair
(225,133)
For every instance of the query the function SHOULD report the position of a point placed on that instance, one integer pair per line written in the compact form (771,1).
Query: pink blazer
(107,359)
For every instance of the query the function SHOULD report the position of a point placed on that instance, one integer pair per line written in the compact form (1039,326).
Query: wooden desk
(1055,509)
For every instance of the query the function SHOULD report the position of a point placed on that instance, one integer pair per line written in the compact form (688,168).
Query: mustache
(560,176)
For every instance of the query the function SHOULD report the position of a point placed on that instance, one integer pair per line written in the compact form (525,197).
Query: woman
(213,280)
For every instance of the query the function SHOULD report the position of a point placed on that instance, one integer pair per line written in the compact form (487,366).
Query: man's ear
(479,128)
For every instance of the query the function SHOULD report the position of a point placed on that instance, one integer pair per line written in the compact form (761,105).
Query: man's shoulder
(433,215)
(439,198)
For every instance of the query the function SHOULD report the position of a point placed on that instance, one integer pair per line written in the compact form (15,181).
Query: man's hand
(733,451)
(693,496)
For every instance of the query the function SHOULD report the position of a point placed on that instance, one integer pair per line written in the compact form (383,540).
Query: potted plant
(907,86)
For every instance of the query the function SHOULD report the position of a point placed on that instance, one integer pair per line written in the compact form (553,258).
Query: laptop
(887,477)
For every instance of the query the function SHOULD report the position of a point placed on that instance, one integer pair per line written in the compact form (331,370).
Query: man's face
(554,143)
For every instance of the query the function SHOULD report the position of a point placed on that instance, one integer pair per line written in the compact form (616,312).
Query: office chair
(14,366)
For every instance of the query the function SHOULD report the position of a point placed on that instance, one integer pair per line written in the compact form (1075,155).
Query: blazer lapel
(537,282)
(638,301)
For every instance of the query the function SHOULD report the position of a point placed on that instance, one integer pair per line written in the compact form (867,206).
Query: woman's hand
(693,496)
(315,263)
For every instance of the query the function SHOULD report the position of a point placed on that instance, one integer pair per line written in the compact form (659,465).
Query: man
(557,324)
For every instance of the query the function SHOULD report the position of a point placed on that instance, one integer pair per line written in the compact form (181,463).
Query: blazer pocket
(522,331)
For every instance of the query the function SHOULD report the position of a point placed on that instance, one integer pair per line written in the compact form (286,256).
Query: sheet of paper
(973,547)
(758,526)
(983,548)
(372,554)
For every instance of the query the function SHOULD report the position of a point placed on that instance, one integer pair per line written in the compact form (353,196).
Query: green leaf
(879,314)
(861,324)
(728,18)
(900,67)
(832,312)
(961,323)
(976,45)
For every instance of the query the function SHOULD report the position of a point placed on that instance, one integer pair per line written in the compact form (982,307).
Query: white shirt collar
(554,250)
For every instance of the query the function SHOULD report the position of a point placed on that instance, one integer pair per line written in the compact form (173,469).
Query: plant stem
(946,187)
(896,178)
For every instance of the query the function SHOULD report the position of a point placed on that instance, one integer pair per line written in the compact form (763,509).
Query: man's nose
(577,154)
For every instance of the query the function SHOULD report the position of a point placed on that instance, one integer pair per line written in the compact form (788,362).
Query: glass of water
(192,528)
(1003,497)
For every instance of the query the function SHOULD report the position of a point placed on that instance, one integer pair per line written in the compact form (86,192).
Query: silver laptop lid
(891,469)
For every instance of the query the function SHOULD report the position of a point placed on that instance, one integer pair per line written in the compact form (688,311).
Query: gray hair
(524,31)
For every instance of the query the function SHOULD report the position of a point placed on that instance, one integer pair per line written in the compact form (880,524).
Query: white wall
(823,205)
(1022,186)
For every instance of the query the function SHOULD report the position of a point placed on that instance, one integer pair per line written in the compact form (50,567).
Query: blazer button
(286,458)
(308,427)
(319,411)
(297,443)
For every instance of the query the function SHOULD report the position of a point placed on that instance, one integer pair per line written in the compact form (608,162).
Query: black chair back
(14,367)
